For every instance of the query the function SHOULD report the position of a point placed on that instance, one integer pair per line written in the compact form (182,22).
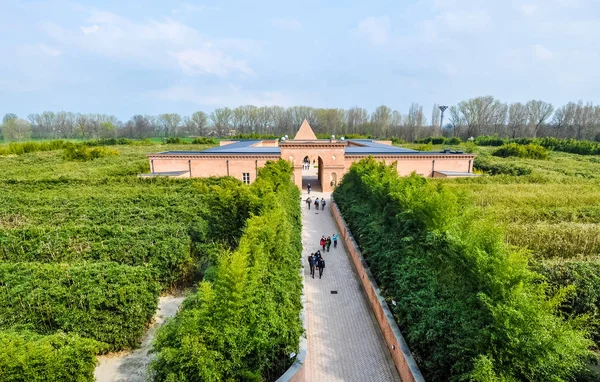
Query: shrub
(204,141)
(58,357)
(489,166)
(103,301)
(84,153)
(244,325)
(583,297)
(468,306)
(531,151)
(454,141)
(110,142)
(490,140)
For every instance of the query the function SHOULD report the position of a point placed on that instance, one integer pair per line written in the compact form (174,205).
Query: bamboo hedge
(468,305)
(245,323)
(30,357)
(104,301)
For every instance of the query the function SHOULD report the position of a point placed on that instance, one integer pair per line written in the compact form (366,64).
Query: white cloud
(286,24)
(90,29)
(53,52)
(150,42)
(528,9)
(223,96)
(374,29)
(542,52)
(205,61)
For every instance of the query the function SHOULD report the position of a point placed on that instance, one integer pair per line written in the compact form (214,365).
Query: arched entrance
(312,174)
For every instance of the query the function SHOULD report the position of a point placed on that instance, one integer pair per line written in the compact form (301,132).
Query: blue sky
(150,57)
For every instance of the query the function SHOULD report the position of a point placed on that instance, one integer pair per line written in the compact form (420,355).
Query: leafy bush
(204,141)
(26,357)
(111,142)
(489,166)
(244,325)
(432,140)
(253,136)
(454,141)
(490,140)
(531,151)
(103,301)
(583,298)
(84,153)
(468,306)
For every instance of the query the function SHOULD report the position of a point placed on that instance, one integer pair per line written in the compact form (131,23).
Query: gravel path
(131,366)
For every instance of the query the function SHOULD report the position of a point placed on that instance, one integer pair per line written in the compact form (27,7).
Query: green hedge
(583,297)
(499,167)
(468,306)
(244,325)
(531,151)
(104,301)
(29,357)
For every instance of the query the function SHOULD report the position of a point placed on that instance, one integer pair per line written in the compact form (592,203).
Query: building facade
(327,159)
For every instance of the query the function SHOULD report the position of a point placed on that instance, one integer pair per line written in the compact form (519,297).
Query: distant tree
(538,112)
(107,130)
(9,117)
(221,119)
(169,123)
(195,125)
(517,118)
(16,129)
(356,119)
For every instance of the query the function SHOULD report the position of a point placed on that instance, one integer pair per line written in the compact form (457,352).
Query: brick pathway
(344,339)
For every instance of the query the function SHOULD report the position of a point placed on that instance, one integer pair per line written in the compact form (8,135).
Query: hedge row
(498,167)
(19,148)
(30,357)
(468,306)
(103,301)
(245,323)
(531,151)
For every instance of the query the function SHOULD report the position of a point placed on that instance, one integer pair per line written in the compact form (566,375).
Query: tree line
(484,115)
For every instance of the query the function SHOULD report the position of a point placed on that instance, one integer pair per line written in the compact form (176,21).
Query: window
(246,177)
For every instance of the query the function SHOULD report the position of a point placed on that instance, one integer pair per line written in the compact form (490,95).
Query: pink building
(321,162)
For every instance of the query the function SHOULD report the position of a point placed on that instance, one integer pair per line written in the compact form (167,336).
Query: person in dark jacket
(328,243)
(308,202)
(321,266)
(308,188)
(322,203)
(312,262)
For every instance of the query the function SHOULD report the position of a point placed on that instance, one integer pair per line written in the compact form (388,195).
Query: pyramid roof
(305,132)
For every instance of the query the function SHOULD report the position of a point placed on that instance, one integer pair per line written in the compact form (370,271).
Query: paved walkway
(344,339)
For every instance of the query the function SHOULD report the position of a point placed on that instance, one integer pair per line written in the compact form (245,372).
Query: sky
(126,57)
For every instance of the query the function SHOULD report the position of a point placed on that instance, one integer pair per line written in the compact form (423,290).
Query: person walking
(334,237)
(323,243)
(322,204)
(317,204)
(308,202)
(312,262)
(328,242)
(308,188)
(321,266)
(318,255)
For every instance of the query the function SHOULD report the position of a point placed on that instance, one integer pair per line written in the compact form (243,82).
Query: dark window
(246,177)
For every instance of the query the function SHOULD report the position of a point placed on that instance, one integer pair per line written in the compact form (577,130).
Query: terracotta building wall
(205,167)
(422,166)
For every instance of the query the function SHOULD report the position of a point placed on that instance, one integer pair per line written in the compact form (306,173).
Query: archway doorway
(312,174)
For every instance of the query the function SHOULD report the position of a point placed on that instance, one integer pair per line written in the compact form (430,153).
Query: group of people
(306,166)
(326,242)
(318,202)
(315,260)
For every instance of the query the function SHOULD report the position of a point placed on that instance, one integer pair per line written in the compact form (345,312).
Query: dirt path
(131,366)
